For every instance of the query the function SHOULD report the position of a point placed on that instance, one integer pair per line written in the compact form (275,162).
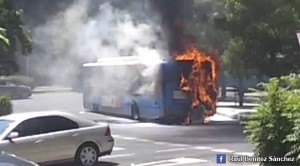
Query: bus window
(135,84)
(173,72)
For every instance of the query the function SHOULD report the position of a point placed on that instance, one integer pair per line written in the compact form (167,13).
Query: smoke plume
(89,30)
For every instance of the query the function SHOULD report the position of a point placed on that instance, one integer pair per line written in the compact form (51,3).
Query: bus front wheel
(135,113)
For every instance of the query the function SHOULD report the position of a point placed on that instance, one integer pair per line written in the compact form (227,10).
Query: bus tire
(135,112)
(95,107)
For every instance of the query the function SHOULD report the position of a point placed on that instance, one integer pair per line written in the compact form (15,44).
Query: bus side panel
(176,104)
(115,105)
(149,107)
(88,98)
(87,103)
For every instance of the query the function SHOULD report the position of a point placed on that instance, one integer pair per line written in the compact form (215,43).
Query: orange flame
(203,82)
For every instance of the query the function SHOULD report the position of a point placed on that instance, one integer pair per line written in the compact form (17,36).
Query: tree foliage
(273,129)
(234,60)
(267,29)
(5,106)
(201,24)
(12,33)
(3,38)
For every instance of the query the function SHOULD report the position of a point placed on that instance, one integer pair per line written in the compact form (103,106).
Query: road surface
(150,144)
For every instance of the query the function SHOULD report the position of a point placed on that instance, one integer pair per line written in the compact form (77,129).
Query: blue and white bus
(125,86)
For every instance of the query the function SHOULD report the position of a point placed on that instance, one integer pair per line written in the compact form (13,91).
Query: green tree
(235,66)
(267,30)
(3,38)
(13,32)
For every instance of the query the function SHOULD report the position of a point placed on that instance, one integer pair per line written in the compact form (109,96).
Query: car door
(61,140)
(26,145)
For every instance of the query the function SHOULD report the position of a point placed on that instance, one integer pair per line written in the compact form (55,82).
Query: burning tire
(135,112)
(197,117)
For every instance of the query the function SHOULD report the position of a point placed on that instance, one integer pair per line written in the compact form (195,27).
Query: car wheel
(135,113)
(87,155)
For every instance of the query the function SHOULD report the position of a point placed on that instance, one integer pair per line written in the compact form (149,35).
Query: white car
(13,160)
(53,136)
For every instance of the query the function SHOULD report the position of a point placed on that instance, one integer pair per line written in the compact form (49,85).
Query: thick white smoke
(75,36)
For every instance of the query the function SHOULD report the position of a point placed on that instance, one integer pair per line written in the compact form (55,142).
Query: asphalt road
(150,144)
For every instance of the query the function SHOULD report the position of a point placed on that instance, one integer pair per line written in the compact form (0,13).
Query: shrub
(294,140)
(272,127)
(5,106)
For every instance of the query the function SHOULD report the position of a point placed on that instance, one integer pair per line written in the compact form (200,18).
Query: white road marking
(222,150)
(128,138)
(184,160)
(218,117)
(116,136)
(118,148)
(146,125)
(172,162)
(116,156)
(160,143)
(143,140)
(244,153)
(202,148)
(151,163)
(124,137)
(170,150)
(179,145)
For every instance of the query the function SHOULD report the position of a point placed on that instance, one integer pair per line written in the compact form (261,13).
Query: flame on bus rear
(202,83)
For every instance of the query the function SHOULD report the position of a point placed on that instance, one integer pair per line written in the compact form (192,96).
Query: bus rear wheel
(135,113)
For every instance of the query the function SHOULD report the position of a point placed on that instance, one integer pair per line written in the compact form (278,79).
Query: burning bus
(169,90)
(128,87)
(202,84)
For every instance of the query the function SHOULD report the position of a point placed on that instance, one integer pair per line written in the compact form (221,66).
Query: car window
(29,127)
(57,123)
(4,124)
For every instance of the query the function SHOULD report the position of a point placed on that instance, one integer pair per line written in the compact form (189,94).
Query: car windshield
(4,124)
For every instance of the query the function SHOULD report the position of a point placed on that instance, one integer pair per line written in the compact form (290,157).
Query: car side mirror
(12,135)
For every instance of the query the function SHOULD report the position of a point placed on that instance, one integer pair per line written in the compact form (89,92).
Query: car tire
(135,112)
(87,155)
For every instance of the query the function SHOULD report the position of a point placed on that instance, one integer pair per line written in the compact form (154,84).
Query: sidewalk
(45,89)
(231,110)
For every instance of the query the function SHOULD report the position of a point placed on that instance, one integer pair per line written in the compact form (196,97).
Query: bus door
(176,102)
(148,97)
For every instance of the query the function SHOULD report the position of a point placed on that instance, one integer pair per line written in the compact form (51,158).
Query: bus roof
(117,61)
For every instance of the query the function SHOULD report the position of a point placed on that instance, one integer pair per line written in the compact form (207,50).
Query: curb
(232,122)
(235,116)
(39,92)
(52,90)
